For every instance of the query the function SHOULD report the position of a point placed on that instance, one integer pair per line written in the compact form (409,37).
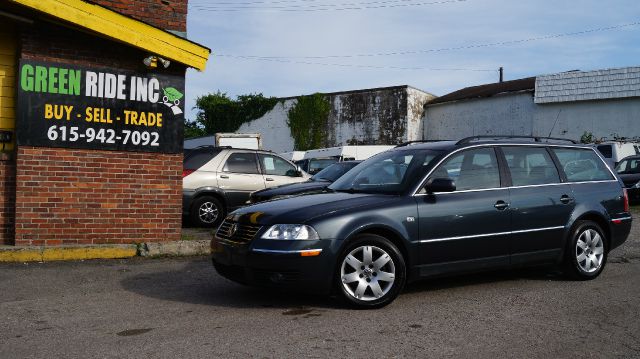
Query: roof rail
(470,139)
(404,144)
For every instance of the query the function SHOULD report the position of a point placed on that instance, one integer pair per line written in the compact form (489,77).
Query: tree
(217,112)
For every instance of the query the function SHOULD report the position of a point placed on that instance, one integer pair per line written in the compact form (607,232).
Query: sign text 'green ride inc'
(63,105)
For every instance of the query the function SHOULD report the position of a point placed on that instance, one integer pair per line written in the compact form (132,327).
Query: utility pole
(501,71)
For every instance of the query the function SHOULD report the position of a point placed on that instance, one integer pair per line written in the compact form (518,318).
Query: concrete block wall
(382,116)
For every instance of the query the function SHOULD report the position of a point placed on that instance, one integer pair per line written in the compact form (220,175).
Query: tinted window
(582,165)
(318,164)
(334,171)
(391,172)
(606,151)
(530,166)
(197,158)
(276,166)
(473,169)
(240,162)
(630,166)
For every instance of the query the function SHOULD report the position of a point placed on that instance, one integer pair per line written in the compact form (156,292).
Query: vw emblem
(233,229)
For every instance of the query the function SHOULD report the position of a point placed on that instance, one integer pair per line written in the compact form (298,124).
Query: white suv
(217,180)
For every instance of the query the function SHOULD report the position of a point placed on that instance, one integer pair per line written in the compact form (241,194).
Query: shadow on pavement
(196,282)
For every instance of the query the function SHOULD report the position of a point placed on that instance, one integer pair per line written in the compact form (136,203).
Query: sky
(439,46)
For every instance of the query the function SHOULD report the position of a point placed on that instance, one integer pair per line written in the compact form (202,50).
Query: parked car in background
(217,180)
(615,151)
(315,184)
(429,210)
(629,171)
(316,160)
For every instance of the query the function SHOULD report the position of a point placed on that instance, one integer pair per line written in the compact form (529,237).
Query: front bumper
(272,263)
(634,195)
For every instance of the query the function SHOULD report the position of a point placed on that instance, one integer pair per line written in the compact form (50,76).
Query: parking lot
(167,308)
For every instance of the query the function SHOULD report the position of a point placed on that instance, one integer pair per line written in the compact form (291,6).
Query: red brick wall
(165,14)
(66,196)
(7,201)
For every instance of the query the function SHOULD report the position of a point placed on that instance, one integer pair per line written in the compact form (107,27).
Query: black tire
(577,262)
(369,278)
(206,211)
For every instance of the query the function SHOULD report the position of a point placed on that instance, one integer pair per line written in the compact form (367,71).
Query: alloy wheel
(589,250)
(367,273)
(208,212)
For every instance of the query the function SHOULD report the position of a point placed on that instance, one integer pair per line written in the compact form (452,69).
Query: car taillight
(626,200)
(185,173)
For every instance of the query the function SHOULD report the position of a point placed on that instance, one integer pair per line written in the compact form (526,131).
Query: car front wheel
(587,251)
(371,272)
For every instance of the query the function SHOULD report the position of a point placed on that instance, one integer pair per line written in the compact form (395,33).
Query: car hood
(291,188)
(301,209)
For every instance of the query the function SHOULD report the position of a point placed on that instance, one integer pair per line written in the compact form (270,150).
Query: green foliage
(191,129)
(308,121)
(219,113)
(587,137)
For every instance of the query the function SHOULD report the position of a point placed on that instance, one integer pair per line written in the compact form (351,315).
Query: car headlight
(637,185)
(291,232)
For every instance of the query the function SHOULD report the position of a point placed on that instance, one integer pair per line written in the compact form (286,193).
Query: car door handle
(224,176)
(565,199)
(269,179)
(501,205)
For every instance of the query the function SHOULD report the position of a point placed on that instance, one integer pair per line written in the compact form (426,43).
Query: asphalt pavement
(180,308)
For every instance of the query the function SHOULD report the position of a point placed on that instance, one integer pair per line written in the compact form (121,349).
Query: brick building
(68,96)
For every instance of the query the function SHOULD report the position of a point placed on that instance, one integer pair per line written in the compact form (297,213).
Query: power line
(279,60)
(465,47)
(324,7)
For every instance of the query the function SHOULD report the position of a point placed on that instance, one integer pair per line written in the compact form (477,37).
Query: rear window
(606,151)
(530,166)
(582,165)
(241,162)
(196,158)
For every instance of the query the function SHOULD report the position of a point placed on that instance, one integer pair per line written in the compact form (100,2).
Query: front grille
(237,232)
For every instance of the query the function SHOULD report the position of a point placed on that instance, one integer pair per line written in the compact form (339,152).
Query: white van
(615,151)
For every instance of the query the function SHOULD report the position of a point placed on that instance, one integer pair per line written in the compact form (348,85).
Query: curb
(66,253)
(175,249)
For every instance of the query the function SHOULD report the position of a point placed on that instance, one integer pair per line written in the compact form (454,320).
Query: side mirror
(440,185)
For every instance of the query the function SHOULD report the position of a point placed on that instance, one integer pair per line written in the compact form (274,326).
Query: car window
(606,151)
(198,157)
(241,162)
(391,172)
(318,164)
(530,166)
(582,165)
(471,169)
(276,166)
(334,171)
(630,166)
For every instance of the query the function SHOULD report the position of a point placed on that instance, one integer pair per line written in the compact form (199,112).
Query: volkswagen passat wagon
(432,209)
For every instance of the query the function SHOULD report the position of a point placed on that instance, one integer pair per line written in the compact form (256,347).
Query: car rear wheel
(371,272)
(587,251)
(207,212)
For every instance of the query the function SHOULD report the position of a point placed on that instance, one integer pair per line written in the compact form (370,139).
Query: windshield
(630,166)
(391,172)
(334,171)
(318,164)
